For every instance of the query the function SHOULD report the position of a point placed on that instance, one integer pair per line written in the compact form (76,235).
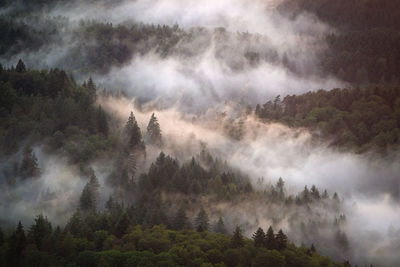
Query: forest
(138,133)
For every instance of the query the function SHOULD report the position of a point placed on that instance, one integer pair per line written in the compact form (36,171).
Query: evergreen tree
(133,134)
(102,124)
(110,204)
(259,238)
(75,223)
(202,221)
(18,241)
(313,248)
(154,131)
(91,88)
(220,227)
(88,199)
(315,193)
(29,166)
(281,240)
(20,66)
(237,240)
(122,225)
(40,230)
(180,220)
(280,186)
(306,195)
(342,241)
(270,241)
(336,197)
(325,195)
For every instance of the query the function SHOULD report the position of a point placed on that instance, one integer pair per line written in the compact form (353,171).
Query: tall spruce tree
(102,123)
(17,244)
(237,240)
(220,227)
(88,199)
(180,220)
(91,89)
(133,133)
(40,230)
(154,131)
(202,221)
(20,66)
(281,240)
(259,238)
(29,166)
(270,241)
(122,225)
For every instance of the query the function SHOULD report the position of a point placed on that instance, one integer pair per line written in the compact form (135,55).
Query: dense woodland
(132,245)
(360,119)
(364,48)
(37,109)
(160,216)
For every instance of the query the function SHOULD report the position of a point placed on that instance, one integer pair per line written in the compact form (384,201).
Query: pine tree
(306,195)
(20,238)
(40,230)
(270,241)
(133,134)
(154,131)
(313,248)
(237,240)
(102,124)
(325,195)
(20,66)
(180,220)
(202,221)
(342,241)
(29,166)
(280,186)
(122,225)
(336,197)
(91,88)
(315,193)
(259,238)
(281,240)
(110,204)
(75,223)
(88,199)
(220,227)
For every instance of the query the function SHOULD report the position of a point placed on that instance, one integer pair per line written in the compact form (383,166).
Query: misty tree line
(364,47)
(50,107)
(361,119)
(87,241)
(363,50)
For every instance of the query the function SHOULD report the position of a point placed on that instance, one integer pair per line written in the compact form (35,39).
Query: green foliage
(154,131)
(49,106)
(141,246)
(237,240)
(133,134)
(259,238)
(359,119)
(40,231)
(29,165)
(202,221)
(363,50)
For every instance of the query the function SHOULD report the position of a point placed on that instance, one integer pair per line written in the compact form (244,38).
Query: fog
(199,98)
(368,185)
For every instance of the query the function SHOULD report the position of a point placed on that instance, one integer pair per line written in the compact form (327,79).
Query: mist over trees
(145,180)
